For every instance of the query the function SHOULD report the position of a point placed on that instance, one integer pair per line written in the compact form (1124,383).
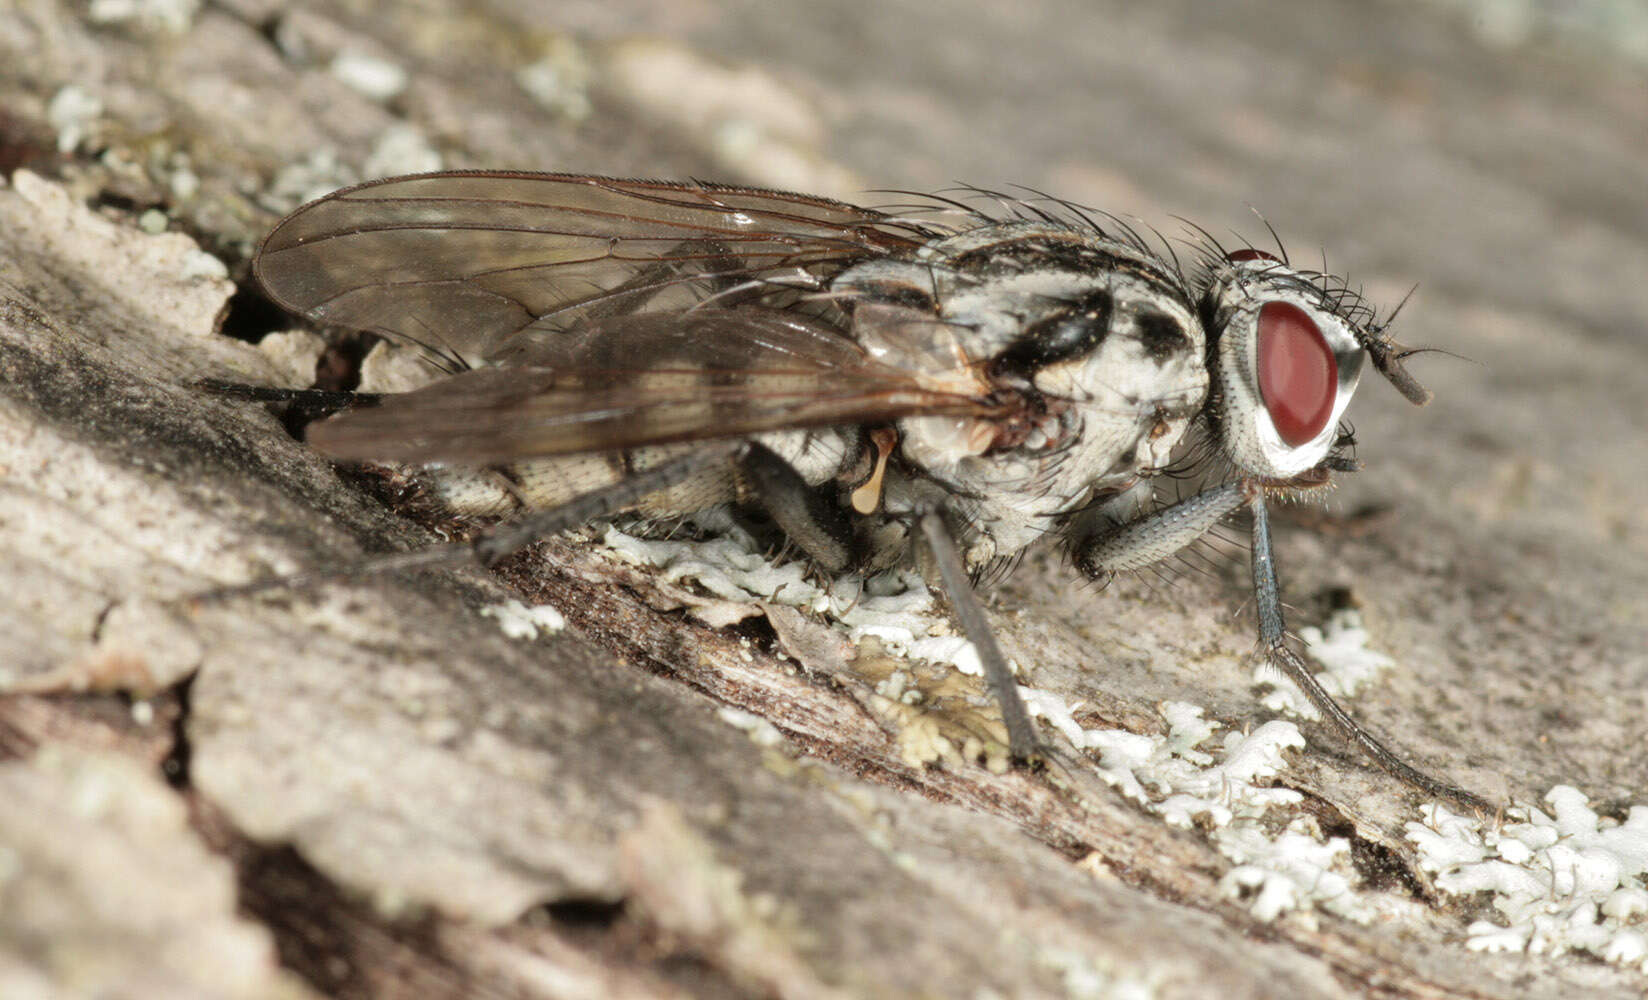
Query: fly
(883,385)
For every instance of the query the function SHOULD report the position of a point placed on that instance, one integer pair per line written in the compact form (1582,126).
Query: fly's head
(1286,349)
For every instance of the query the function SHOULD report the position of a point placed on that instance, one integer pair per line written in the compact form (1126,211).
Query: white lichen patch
(894,608)
(1348,665)
(400,149)
(761,732)
(302,181)
(521,622)
(900,645)
(1564,881)
(560,79)
(1293,869)
(1190,776)
(727,566)
(73,112)
(370,75)
(174,16)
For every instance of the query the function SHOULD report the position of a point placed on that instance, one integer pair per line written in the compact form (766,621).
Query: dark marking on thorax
(1162,336)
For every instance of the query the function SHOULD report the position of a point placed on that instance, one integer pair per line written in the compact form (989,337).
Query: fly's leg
(1147,540)
(1273,640)
(513,535)
(1021,733)
(625,493)
(822,530)
(805,515)
(1155,536)
(304,406)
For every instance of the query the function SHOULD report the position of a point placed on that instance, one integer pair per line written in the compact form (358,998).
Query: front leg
(1273,641)
(1155,536)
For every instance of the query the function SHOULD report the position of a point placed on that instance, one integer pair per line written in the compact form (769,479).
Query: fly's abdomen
(818,455)
(547,483)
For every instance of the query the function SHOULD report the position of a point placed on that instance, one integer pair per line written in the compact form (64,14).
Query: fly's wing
(456,262)
(643,379)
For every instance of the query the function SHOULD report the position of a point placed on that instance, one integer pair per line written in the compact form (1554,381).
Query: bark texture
(370,790)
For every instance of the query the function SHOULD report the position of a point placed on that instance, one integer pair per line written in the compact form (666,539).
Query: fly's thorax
(1097,337)
(1286,357)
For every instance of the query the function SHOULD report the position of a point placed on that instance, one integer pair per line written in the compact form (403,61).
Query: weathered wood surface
(412,804)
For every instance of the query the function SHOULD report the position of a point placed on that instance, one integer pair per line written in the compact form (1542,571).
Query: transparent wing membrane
(712,373)
(457,262)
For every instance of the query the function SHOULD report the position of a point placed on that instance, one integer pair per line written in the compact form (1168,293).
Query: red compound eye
(1298,374)
(1238,256)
